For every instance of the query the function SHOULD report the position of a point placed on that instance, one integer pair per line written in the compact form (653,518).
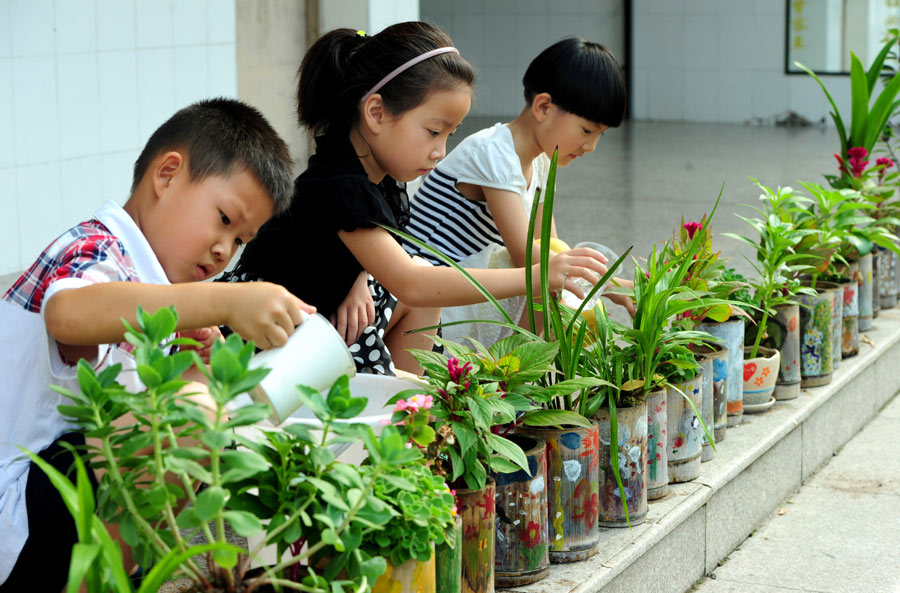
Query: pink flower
(457,373)
(692,228)
(385,421)
(857,164)
(884,161)
(841,166)
(401,405)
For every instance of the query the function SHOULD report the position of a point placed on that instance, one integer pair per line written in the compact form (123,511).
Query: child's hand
(207,336)
(622,299)
(356,312)
(582,262)
(264,312)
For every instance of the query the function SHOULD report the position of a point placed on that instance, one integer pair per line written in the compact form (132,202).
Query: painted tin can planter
(573,465)
(410,577)
(865,292)
(850,317)
(521,547)
(731,332)
(706,411)
(760,375)
(657,453)
(685,433)
(787,320)
(837,312)
(876,298)
(631,457)
(887,278)
(477,509)
(448,563)
(816,361)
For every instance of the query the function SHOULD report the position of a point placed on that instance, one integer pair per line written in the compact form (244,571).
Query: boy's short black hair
(581,77)
(219,134)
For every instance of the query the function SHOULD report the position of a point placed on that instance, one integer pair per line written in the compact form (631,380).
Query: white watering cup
(315,355)
(569,298)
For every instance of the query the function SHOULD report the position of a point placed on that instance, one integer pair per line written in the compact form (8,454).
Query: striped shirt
(443,218)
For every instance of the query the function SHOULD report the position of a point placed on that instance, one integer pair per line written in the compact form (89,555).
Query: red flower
(531,534)
(692,228)
(884,161)
(841,166)
(488,504)
(457,373)
(857,164)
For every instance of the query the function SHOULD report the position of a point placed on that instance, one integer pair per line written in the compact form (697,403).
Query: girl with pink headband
(381,109)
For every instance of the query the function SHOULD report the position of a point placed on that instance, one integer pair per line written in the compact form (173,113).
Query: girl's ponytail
(343,65)
(322,87)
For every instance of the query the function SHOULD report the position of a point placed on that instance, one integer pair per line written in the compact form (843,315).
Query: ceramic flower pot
(718,379)
(706,409)
(731,332)
(522,541)
(850,315)
(887,278)
(410,577)
(448,563)
(572,482)
(684,430)
(816,361)
(787,320)
(657,454)
(760,375)
(837,310)
(865,292)
(478,511)
(631,457)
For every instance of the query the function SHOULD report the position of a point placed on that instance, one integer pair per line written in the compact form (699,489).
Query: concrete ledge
(760,462)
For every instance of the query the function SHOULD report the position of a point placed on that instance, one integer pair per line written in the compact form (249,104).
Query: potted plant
(778,268)
(286,484)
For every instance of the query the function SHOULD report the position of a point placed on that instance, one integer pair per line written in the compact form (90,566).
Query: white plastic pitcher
(569,298)
(315,355)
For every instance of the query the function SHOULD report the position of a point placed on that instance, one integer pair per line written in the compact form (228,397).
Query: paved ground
(839,534)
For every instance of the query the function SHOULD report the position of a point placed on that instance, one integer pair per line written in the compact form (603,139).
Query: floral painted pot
(816,361)
(573,460)
(783,334)
(837,312)
(865,292)
(478,511)
(731,332)
(631,457)
(850,315)
(760,375)
(410,577)
(706,408)
(657,454)
(685,433)
(448,562)
(887,278)
(876,298)
(522,541)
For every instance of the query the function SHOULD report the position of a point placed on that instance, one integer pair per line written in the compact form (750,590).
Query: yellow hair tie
(361,33)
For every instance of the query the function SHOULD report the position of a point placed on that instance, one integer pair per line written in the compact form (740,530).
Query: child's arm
(427,286)
(512,221)
(90,315)
(356,312)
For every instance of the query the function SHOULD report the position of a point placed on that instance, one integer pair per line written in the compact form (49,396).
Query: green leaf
(210,502)
(83,556)
(242,464)
(501,465)
(313,400)
(243,523)
(188,519)
(551,417)
(148,375)
(508,449)
(216,439)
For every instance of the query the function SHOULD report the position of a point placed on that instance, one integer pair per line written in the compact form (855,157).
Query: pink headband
(406,66)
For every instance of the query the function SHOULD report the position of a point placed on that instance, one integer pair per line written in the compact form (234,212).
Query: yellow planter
(410,577)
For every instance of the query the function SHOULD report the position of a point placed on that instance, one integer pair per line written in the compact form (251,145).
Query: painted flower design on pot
(531,534)
(678,443)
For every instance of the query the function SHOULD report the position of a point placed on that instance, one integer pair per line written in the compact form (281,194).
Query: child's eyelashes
(225,220)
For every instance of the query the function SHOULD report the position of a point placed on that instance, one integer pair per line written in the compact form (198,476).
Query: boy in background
(205,182)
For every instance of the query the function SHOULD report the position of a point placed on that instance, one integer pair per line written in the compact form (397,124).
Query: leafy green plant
(777,263)
(868,119)
(289,480)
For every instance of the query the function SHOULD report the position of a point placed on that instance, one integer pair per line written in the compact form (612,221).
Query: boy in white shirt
(205,182)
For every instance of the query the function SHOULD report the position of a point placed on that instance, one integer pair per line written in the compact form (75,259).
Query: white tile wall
(83,83)
(501,37)
(729,55)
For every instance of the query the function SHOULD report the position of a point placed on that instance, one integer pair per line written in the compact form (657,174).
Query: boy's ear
(167,167)
(373,113)
(540,106)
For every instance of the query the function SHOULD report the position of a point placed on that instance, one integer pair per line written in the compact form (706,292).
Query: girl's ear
(540,106)
(373,112)
(167,167)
